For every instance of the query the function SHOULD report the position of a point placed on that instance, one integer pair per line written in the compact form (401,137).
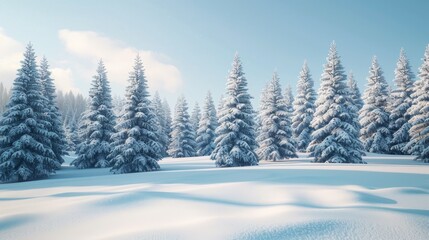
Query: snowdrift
(388,198)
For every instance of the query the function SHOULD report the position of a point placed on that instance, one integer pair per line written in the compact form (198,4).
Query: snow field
(191,199)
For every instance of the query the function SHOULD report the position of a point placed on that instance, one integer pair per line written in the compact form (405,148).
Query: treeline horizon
(335,125)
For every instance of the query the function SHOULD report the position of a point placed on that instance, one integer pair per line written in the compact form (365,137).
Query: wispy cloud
(91,46)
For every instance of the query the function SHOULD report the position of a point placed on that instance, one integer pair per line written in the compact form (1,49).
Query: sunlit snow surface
(388,198)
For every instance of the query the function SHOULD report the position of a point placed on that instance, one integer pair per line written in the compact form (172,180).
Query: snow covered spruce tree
(25,139)
(206,130)
(58,140)
(356,99)
(195,121)
(220,107)
(374,117)
(168,119)
(354,92)
(162,131)
(400,103)
(275,133)
(182,135)
(72,137)
(136,146)
(4,97)
(196,117)
(335,137)
(303,109)
(235,141)
(97,124)
(288,100)
(419,131)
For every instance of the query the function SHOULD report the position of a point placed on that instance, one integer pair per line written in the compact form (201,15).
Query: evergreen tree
(275,136)
(220,107)
(4,97)
(25,141)
(58,139)
(374,117)
(354,92)
(72,137)
(168,120)
(118,103)
(288,100)
(182,135)
(207,126)
(196,117)
(235,141)
(335,137)
(303,109)
(356,102)
(195,121)
(162,131)
(97,124)
(135,144)
(419,131)
(401,101)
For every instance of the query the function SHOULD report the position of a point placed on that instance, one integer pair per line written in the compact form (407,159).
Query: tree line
(334,125)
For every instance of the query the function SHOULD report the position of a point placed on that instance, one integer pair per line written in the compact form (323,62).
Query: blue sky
(188,46)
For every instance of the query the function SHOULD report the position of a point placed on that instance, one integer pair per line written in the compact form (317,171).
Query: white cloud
(118,58)
(64,80)
(10,57)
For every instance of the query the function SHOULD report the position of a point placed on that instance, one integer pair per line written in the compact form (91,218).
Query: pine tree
(220,107)
(25,141)
(162,131)
(72,137)
(195,121)
(136,147)
(419,110)
(58,139)
(4,97)
(168,120)
(288,100)
(335,137)
(401,102)
(97,124)
(303,109)
(235,141)
(182,135)
(207,126)
(374,117)
(354,92)
(275,135)
(356,101)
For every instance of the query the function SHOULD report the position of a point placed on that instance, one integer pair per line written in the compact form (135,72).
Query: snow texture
(191,199)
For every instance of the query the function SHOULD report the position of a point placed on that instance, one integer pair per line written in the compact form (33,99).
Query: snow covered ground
(191,199)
